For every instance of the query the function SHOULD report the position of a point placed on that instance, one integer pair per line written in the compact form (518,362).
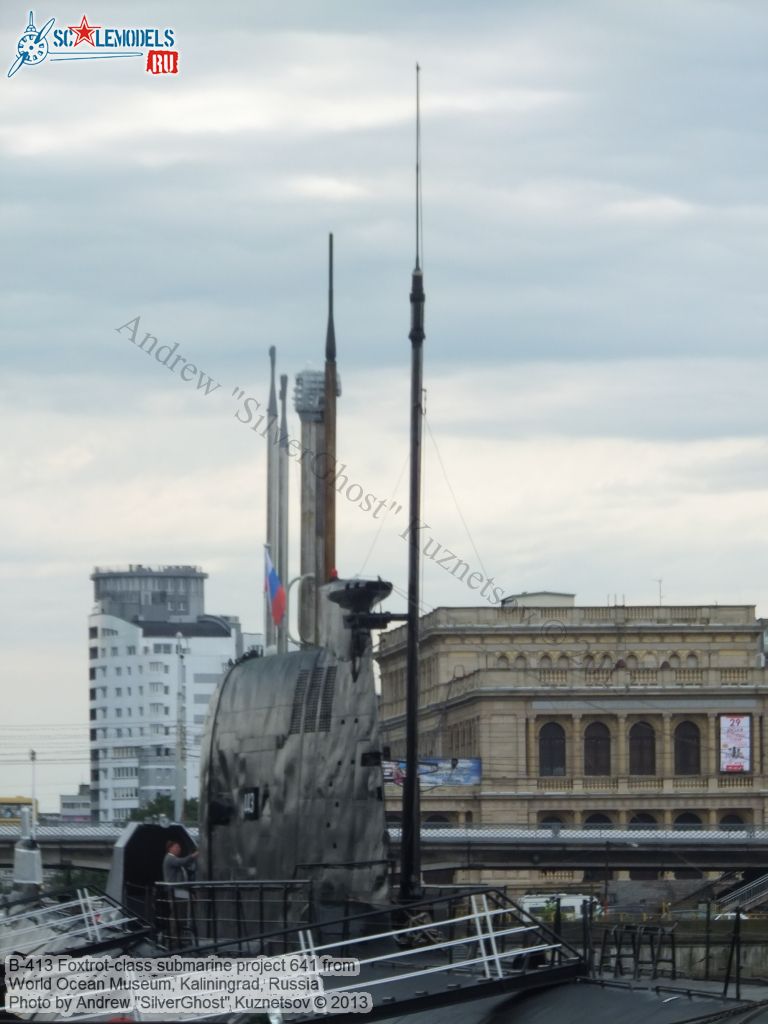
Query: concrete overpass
(500,848)
(482,848)
(62,846)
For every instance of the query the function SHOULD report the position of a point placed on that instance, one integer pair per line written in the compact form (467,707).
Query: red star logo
(84,32)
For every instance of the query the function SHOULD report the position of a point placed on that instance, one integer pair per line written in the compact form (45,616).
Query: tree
(191,811)
(76,878)
(162,807)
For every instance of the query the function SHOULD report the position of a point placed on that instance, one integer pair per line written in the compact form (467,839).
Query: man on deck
(175,872)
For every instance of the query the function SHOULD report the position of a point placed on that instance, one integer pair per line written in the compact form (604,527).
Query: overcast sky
(596,238)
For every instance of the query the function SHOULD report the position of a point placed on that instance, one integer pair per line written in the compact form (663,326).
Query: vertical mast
(282,511)
(410,866)
(270,636)
(329,518)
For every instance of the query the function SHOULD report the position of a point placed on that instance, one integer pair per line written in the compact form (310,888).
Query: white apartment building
(75,808)
(150,643)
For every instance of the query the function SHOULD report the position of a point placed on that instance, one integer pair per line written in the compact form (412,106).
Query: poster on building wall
(735,743)
(438,771)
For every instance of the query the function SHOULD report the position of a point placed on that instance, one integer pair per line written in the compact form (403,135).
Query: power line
(384,518)
(455,499)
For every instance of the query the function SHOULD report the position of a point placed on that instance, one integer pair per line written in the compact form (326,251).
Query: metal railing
(746,896)
(486,933)
(78,919)
(186,915)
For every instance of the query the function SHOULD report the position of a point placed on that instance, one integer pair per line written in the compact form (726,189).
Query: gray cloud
(595,216)
(591,187)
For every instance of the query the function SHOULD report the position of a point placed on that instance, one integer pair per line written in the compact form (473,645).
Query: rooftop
(208,625)
(558,621)
(148,570)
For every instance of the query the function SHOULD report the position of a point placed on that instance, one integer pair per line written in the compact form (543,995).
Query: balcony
(557,784)
(558,677)
(638,783)
(690,782)
(736,781)
(600,782)
(634,784)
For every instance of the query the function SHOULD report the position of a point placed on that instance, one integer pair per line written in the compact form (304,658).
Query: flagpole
(267,603)
(275,600)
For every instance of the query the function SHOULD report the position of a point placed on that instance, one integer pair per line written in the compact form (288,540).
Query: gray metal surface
(291,779)
(588,1001)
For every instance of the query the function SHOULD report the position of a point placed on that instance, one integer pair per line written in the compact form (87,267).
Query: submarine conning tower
(291,777)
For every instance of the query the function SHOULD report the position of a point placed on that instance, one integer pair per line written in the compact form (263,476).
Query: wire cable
(455,499)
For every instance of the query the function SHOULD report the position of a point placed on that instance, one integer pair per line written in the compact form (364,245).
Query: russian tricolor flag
(274,589)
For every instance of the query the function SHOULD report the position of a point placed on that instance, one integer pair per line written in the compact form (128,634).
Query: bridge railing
(107,834)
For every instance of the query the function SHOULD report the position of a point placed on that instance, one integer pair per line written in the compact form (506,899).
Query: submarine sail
(291,776)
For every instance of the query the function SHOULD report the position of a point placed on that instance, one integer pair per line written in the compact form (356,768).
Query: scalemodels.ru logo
(106,43)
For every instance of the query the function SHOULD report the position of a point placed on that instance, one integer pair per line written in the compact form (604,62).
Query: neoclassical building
(588,716)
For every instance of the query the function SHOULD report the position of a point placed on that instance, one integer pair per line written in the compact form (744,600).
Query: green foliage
(75,878)
(162,807)
(192,811)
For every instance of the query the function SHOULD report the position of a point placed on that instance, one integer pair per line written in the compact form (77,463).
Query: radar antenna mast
(410,861)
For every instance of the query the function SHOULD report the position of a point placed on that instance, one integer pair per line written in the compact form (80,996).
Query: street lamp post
(33,759)
(181,713)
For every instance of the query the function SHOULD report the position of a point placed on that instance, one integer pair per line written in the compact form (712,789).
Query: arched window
(436,821)
(563,662)
(597,749)
(642,749)
(520,663)
(552,749)
(545,661)
(643,820)
(606,662)
(687,820)
(674,661)
(597,820)
(548,820)
(631,662)
(502,661)
(691,661)
(687,749)
(730,822)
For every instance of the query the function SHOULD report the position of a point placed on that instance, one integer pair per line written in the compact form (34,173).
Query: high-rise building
(150,643)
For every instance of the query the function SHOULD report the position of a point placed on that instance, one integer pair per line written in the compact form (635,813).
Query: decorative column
(577,747)
(621,767)
(712,762)
(668,754)
(532,765)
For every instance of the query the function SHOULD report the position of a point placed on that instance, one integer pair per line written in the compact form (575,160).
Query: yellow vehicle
(543,905)
(10,809)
